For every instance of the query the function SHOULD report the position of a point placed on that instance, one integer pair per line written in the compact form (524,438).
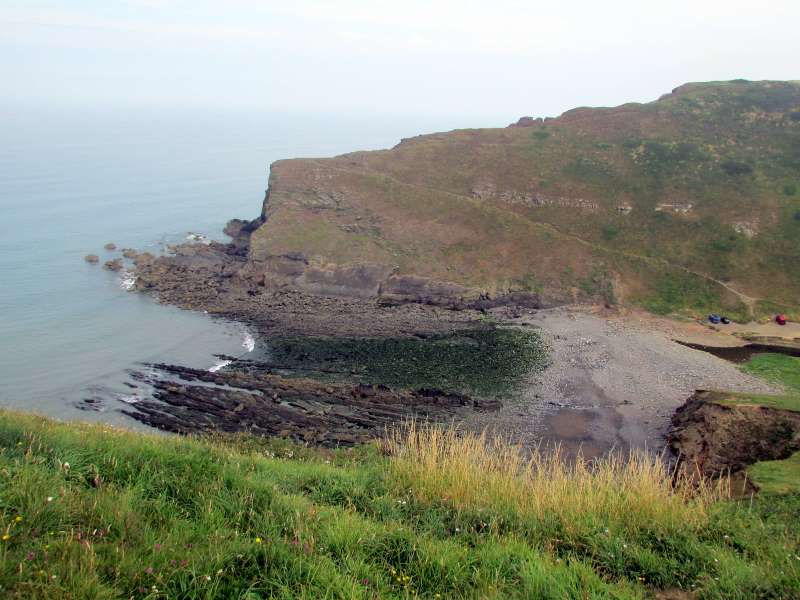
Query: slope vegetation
(93,512)
(691,202)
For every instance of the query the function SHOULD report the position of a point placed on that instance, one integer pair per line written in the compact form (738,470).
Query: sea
(73,179)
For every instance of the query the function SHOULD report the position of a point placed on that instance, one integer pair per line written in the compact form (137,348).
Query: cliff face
(688,202)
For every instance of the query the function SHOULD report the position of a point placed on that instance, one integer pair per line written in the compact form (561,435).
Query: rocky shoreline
(589,401)
(250,397)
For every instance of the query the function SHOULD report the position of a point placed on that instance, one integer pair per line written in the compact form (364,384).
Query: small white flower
(49,498)
(208,577)
(624,545)
(219,572)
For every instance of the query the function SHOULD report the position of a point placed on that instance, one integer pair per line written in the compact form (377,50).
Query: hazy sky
(490,60)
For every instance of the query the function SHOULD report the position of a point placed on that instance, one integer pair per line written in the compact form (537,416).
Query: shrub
(735,168)
(610,232)
(790,189)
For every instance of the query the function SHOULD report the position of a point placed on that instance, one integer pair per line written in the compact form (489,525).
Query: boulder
(129,253)
(92,258)
(113,265)
(110,246)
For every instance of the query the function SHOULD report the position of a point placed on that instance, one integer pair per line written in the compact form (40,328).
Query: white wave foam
(198,237)
(249,342)
(130,398)
(220,365)
(127,280)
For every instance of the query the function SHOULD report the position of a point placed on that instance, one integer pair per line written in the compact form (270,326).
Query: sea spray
(220,365)
(249,342)
(127,280)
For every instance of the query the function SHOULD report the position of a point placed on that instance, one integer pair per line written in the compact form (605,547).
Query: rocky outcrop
(528,122)
(249,398)
(113,265)
(92,258)
(294,271)
(110,246)
(223,276)
(381,283)
(715,438)
(239,231)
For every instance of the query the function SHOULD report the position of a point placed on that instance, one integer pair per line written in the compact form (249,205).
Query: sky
(491,61)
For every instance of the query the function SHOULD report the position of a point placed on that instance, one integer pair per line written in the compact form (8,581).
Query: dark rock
(110,246)
(527,122)
(113,265)
(92,258)
(305,410)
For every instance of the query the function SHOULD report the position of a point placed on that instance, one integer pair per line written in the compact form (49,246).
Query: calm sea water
(72,180)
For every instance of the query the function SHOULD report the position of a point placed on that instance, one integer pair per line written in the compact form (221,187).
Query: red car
(780,319)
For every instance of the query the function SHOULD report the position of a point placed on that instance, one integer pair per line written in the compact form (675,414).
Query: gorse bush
(734,168)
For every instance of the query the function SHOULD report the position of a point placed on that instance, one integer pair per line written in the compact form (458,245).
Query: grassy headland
(686,204)
(96,512)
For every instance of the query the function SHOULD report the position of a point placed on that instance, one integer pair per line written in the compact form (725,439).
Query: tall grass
(481,471)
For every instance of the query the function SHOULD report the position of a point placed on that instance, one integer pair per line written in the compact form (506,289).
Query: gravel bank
(612,383)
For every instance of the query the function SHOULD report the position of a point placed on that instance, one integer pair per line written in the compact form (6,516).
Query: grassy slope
(443,205)
(777,476)
(94,512)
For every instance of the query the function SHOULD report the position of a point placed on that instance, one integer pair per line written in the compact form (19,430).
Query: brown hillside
(691,202)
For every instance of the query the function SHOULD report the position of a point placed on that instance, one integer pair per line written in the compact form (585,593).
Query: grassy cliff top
(776,476)
(97,512)
(687,203)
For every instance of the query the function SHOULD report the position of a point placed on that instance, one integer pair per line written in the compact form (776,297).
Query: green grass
(787,402)
(96,512)
(775,476)
(778,368)
(775,368)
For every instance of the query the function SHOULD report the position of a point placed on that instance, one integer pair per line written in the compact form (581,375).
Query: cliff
(689,203)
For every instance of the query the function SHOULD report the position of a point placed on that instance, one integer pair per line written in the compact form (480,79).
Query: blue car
(714,318)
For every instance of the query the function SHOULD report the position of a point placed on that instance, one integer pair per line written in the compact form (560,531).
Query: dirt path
(612,383)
